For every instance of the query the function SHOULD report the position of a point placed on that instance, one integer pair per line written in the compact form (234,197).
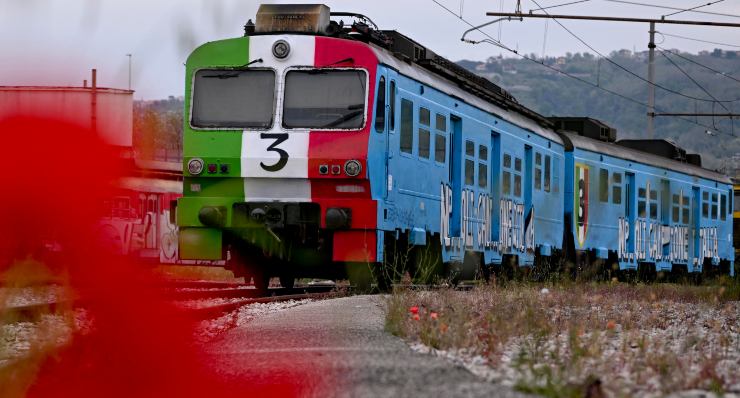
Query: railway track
(237,295)
(34,312)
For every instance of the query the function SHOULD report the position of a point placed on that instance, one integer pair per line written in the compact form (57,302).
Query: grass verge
(565,339)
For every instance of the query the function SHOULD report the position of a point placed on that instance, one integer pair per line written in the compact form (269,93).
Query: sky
(57,42)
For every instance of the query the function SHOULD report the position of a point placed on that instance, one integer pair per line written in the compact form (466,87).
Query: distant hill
(551,93)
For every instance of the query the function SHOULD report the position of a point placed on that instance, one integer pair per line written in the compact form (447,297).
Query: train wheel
(360,276)
(453,272)
(287,281)
(249,263)
(426,263)
(646,272)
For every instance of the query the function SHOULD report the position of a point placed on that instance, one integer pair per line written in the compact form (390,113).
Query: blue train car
(481,181)
(634,208)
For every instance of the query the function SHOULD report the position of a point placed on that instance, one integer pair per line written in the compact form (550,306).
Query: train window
(603,185)
(469,148)
(675,208)
(469,172)
(723,207)
(736,200)
(617,188)
(685,209)
(380,107)
(517,185)
(665,200)
(441,122)
(507,160)
(714,206)
(424,117)
(641,195)
(506,183)
(729,202)
(555,174)
(482,166)
(440,143)
(547,173)
(423,143)
(393,105)
(705,204)
(517,164)
(407,121)
(482,175)
(654,209)
(653,194)
(537,170)
(233,98)
(328,99)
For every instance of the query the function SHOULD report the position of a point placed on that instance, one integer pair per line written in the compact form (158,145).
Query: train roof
(638,156)
(450,87)
(403,54)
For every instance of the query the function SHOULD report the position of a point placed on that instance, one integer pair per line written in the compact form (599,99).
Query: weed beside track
(573,339)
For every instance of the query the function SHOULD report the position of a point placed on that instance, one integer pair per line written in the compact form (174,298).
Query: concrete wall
(114,108)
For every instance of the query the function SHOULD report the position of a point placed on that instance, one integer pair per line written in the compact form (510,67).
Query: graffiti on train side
(656,242)
(515,234)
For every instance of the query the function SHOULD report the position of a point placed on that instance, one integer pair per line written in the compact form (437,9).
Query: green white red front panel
(246,152)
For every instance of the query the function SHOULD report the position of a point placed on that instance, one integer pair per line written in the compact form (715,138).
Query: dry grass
(194,272)
(556,340)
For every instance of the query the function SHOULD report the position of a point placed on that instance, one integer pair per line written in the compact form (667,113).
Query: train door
(528,209)
(695,226)
(389,90)
(455,173)
(629,211)
(495,185)
(665,217)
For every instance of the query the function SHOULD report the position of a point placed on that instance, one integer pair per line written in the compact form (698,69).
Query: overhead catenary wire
(618,65)
(727,75)
(692,79)
(693,8)
(495,42)
(700,40)
(635,3)
(559,5)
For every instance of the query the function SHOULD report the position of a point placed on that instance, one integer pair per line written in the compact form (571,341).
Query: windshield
(233,98)
(331,99)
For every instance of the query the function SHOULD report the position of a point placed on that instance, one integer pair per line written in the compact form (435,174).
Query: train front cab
(268,179)
(635,211)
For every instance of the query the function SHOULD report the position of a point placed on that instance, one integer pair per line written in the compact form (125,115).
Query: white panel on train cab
(277,159)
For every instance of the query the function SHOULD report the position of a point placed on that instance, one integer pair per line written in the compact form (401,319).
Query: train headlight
(195,166)
(281,49)
(352,168)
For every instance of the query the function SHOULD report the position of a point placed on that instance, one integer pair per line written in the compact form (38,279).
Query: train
(318,148)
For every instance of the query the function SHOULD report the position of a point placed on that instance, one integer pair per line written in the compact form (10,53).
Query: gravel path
(337,348)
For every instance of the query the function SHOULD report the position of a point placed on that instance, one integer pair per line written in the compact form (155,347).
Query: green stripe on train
(231,53)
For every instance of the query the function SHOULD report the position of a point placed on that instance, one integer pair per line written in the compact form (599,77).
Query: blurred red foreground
(55,176)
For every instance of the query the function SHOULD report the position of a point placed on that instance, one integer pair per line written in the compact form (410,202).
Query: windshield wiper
(253,62)
(222,75)
(341,61)
(343,118)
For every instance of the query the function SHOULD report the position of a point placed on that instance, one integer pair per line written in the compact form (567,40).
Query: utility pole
(129,71)
(651,48)
(651,81)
